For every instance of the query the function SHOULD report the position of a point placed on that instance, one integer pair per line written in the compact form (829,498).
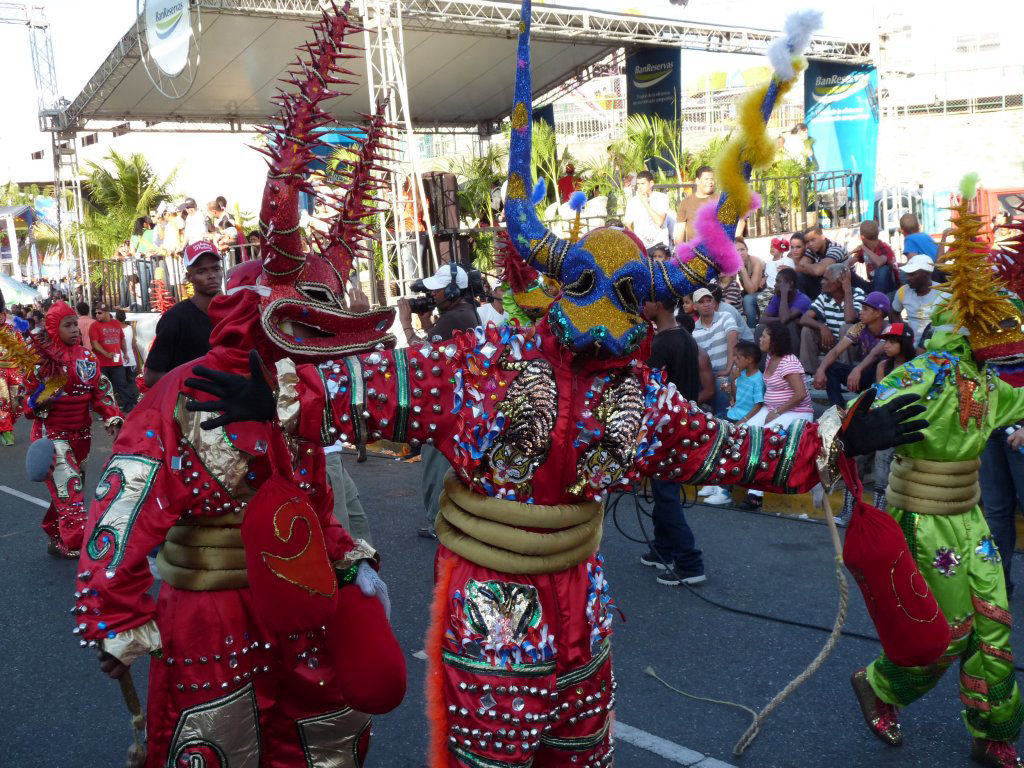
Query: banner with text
(653,83)
(841,108)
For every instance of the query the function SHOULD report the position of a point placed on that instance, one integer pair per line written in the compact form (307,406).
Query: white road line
(24,496)
(665,748)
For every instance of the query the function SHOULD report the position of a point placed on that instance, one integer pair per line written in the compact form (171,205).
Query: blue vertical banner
(654,84)
(841,108)
(545,114)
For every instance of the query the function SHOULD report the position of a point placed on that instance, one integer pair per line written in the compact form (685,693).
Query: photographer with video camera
(448,291)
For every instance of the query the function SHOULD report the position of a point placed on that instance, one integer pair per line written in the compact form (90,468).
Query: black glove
(876,429)
(242,398)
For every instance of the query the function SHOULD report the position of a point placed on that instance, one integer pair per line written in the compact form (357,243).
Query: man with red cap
(183,333)
(269,641)
(62,390)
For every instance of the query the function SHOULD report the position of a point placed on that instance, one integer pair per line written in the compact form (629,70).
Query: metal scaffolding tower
(388,84)
(64,142)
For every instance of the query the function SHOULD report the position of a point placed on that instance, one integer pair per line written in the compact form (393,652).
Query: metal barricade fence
(794,203)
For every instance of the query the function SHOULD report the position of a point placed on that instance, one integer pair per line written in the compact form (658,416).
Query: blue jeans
(673,538)
(883,280)
(750,309)
(1002,489)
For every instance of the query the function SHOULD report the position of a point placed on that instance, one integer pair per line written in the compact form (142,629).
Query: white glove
(371,584)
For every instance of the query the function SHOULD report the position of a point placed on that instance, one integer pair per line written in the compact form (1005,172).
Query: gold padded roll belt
(486,531)
(203,554)
(933,487)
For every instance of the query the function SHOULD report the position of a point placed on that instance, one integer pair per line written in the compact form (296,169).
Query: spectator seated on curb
(748,401)
(751,281)
(786,307)
(879,260)
(865,340)
(915,299)
(830,316)
(746,332)
(782,252)
(819,254)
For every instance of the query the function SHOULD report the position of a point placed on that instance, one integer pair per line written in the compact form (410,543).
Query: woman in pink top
(786,398)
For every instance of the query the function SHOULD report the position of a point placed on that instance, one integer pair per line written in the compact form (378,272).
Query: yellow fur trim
(753,145)
(15,351)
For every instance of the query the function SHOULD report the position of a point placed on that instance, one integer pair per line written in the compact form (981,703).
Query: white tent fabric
(454,78)
(17,292)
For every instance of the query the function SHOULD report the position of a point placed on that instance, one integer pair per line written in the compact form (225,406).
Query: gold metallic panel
(221,458)
(331,740)
(63,472)
(229,726)
(287,395)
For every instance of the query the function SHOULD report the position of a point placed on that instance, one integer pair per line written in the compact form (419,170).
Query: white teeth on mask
(286,326)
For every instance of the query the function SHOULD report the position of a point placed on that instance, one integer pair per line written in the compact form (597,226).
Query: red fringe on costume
(436,715)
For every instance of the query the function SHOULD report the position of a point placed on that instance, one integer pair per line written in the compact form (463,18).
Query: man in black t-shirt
(673,551)
(183,333)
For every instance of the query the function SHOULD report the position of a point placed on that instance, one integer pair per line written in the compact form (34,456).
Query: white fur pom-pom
(797,31)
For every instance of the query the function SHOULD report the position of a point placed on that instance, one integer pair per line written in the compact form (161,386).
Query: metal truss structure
(388,86)
(492,18)
(385,22)
(66,181)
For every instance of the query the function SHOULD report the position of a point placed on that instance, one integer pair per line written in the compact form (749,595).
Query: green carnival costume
(933,494)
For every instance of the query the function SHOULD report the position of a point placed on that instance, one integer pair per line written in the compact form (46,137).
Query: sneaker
(883,719)
(673,577)
(708,490)
(998,754)
(719,499)
(652,560)
(752,503)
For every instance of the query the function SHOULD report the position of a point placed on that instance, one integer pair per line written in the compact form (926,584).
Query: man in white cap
(449,287)
(916,297)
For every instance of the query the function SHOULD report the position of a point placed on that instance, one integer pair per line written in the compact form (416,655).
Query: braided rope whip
(758,718)
(826,650)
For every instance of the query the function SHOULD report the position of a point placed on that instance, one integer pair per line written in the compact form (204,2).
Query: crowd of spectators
(814,316)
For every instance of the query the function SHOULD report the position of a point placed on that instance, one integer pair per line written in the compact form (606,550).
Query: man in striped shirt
(831,314)
(716,333)
(819,255)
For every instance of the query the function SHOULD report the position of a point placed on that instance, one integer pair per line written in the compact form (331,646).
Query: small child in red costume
(63,417)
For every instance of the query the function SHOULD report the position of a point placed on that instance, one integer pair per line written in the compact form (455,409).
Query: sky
(85,31)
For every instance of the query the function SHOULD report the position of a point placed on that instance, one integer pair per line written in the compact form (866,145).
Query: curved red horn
(290,144)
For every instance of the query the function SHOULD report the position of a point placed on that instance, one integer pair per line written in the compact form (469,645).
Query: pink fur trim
(713,237)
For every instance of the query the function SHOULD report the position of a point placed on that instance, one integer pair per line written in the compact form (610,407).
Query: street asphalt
(57,709)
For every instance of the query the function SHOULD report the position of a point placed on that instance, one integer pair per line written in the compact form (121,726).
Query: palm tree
(545,156)
(478,176)
(120,189)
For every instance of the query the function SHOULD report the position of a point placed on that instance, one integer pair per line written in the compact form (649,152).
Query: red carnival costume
(263,646)
(63,416)
(539,425)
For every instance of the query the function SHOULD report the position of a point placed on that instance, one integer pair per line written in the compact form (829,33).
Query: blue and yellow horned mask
(607,276)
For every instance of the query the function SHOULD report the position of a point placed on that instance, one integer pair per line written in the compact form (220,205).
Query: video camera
(477,289)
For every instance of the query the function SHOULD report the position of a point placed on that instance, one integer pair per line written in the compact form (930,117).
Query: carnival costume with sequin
(933,494)
(539,425)
(12,382)
(64,388)
(230,685)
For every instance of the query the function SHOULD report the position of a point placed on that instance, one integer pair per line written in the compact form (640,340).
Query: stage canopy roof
(460,60)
